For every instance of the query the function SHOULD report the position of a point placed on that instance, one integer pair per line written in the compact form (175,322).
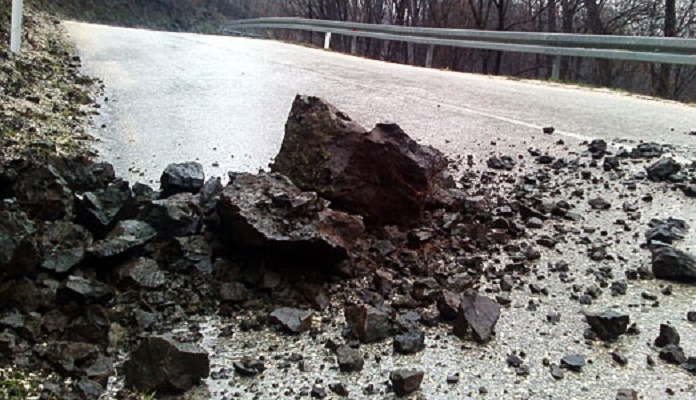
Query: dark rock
(619,358)
(549,130)
(608,325)
(234,292)
(268,212)
(43,194)
(478,312)
(210,193)
(382,175)
(8,342)
(666,231)
(597,148)
(90,390)
(647,150)
(514,360)
(556,372)
(68,357)
(573,362)
(662,169)
(626,394)
(292,320)
(180,178)
(19,254)
(62,245)
(317,392)
(83,291)
(163,364)
(690,190)
(143,272)
(599,204)
(367,323)
(668,336)
(691,316)
(125,239)
(409,342)
(611,164)
(448,305)
(100,211)
(349,359)
(82,174)
(673,354)
(673,264)
(339,388)
(177,215)
(248,366)
(504,162)
(405,381)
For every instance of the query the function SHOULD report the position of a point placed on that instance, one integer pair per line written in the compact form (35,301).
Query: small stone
(599,204)
(556,372)
(409,342)
(608,325)
(691,316)
(292,320)
(626,394)
(673,354)
(668,336)
(339,388)
(248,366)
(573,362)
(349,359)
(619,358)
(549,130)
(405,381)
(318,392)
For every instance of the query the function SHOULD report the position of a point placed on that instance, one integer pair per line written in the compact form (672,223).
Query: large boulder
(163,364)
(382,174)
(266,211)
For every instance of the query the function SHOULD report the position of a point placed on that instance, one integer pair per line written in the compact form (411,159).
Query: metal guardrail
(629,48)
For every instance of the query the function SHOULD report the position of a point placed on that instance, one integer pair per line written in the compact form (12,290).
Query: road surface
(176,97)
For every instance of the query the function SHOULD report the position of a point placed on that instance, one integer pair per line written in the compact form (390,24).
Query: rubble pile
(367,228)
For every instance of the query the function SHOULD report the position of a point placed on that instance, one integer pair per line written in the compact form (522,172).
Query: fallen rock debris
(87,259)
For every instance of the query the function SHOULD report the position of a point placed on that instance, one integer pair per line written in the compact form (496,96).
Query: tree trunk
(670,30)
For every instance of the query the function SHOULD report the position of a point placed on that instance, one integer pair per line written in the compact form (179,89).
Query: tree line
(665,18)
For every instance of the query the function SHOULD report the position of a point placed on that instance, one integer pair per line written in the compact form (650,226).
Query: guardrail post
(16,30)
(429,56)
(556,68)
(354,45)
(327,41)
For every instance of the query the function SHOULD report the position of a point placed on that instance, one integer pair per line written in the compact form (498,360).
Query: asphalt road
(223,101)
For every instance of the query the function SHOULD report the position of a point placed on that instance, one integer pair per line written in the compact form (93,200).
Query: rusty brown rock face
(381,174)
